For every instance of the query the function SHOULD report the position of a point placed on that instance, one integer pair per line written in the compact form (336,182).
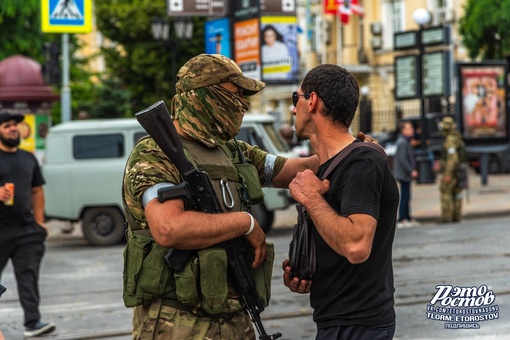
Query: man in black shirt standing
(353,212)
(22,229)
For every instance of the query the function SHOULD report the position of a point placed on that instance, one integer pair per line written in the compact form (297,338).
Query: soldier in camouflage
(451,194)
(207,111)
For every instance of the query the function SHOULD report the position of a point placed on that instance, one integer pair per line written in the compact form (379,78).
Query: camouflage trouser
(451,201)
(158,322)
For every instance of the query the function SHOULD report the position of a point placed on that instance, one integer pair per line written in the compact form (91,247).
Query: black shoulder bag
(302,248)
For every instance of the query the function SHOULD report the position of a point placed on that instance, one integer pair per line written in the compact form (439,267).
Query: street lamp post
(365,108)
(183,29)
(422,17)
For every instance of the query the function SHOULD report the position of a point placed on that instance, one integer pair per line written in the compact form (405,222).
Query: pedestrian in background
(452,154)
(404,169)
(354,213)
(22,229)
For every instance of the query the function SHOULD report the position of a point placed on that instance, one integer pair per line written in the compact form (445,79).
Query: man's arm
(174,227)
(349,236)
(38,205)
(291,167)
(294,165)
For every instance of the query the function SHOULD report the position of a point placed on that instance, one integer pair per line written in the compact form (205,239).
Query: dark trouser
(25,247)
(404,212)
(357,332)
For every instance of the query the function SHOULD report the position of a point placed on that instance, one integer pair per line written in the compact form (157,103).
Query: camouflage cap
(447,123)
(212,69)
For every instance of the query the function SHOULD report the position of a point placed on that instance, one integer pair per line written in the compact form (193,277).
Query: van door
(58,202)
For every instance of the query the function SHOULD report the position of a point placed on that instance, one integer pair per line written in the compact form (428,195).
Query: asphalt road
(81,285)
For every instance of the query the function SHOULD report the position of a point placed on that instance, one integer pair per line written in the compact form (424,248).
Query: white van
(83,167)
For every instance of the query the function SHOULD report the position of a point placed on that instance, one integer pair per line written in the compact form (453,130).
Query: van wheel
(263,216)
(103,226)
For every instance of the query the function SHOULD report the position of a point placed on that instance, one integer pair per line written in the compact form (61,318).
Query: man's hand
(367,138)
(5,194)
(295,285)
(257,240)
(306,185)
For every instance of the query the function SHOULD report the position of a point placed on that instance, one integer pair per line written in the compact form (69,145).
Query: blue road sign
(66,16)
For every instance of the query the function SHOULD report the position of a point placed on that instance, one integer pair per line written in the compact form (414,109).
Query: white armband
(269,170)
(152,192)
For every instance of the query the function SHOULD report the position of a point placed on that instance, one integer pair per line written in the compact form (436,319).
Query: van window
(139,135)
(98,146)
(249,135)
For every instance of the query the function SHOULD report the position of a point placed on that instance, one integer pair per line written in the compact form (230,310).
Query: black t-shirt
(358,294)
(22,169)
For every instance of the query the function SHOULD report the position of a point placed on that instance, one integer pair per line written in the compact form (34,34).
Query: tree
(484,29)
(143,65)
(20,28)
(109,100)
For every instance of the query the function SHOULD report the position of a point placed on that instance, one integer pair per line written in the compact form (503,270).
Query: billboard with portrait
(482,101)
(278,46)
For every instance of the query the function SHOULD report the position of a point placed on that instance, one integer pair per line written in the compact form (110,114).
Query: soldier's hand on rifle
(257,240)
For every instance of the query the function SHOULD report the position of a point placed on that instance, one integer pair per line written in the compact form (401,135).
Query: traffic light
(51,68)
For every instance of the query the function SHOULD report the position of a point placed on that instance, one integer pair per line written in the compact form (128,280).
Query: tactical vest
(203,283)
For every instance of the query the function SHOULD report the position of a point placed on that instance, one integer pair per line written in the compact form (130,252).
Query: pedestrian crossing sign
(66,16)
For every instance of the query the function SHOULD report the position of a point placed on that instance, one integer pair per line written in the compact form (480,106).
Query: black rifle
(197,185)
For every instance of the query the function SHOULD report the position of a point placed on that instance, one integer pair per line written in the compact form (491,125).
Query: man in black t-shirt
(353,212)
(22,229)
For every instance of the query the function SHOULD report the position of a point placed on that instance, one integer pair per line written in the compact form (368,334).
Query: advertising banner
(482,92)
(279,54)
(247,47)
(217,37)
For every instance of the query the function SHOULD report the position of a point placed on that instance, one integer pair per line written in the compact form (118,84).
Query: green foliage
(142,64)
(111,101)
(20,33)
(484,29)
(20,29)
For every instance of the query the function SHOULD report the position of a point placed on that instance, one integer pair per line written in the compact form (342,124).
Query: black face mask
(10,142)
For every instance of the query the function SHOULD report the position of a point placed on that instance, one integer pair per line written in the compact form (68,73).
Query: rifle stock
(157,122)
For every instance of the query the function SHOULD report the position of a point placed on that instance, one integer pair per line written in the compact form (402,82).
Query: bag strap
(342,154)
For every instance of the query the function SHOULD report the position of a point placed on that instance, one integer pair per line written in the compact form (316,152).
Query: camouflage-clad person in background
(199,302)
(450,193)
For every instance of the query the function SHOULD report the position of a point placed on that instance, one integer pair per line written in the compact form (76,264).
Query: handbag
(302,247)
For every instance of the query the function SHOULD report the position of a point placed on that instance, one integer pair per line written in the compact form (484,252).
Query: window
(139,135)
(443,12)
(393,21)
(98,146)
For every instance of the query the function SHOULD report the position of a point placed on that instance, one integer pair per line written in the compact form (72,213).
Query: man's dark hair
(403,123)
(337,88)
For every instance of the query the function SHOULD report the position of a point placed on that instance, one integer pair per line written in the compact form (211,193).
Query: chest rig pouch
(204,282)
(250,188)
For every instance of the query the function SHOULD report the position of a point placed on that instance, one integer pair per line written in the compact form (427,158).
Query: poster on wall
(482,92)
(217,37)
(246,47)
(279,54)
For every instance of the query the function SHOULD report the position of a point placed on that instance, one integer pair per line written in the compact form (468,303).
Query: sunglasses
(295,97)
